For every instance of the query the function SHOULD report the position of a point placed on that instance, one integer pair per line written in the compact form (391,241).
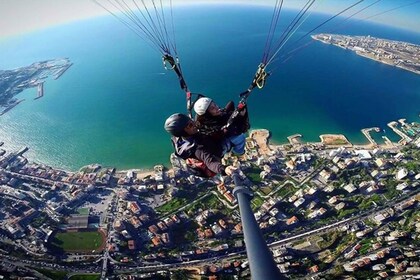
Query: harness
(176,66)
(185,149)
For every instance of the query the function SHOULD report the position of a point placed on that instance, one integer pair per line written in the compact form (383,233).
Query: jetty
(295,139)
(393,125)
(387,141)
(61,71)
(40,91)
(366,133)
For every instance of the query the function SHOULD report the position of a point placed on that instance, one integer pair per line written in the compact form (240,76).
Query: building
(118,225)
(78,222)
(131,245)
(134,207)
(350,188)
(401,174)
(292,220)
(340,206)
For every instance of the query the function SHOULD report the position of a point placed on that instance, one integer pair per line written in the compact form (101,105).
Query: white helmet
(201,105)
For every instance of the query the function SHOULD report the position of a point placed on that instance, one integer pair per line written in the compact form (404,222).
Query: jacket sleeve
(230,107)
(212,162)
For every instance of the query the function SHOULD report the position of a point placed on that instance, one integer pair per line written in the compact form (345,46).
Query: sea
(110,106)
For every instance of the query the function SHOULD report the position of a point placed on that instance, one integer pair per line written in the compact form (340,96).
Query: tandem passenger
(202,154)
(211,121)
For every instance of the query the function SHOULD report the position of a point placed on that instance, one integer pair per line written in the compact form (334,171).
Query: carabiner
(260,76)
(167,58)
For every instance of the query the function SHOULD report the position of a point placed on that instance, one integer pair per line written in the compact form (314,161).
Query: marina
(366,133)
(404,138)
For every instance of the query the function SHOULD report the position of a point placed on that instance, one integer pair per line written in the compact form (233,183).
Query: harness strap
(176,66)
(258,81)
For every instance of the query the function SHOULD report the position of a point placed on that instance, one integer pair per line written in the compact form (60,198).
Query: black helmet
(176,123)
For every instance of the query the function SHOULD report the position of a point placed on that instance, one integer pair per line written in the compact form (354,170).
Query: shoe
(240,157)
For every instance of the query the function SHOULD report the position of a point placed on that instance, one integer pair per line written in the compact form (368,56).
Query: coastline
(331,140)
(261,139)
(10,107)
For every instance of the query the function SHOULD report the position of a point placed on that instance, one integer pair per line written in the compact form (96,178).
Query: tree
(181,274)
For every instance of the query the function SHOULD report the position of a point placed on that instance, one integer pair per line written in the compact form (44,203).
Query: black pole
(260,258)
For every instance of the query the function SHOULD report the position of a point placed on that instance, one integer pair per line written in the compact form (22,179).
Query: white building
(350,188)
(401,174)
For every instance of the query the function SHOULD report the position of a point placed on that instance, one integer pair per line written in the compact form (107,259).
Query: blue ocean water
(110,106)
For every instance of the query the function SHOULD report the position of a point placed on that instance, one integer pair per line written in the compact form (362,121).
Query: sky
(22,16)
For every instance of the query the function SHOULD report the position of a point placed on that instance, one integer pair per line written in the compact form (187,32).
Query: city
(13,82)
(326,209)
(399,54)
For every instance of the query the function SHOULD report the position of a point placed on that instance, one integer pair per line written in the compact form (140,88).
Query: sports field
(83,211)
(79,241)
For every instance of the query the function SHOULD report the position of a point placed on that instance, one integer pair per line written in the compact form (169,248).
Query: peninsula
(13,82)
(395,53)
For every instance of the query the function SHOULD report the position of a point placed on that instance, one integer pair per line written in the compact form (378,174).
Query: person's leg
(227,146)
(238,143)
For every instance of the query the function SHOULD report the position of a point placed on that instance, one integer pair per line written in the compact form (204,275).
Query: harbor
(61,71)
(404,138)
(366,133)
(35,75)
(393,53)
(339,139)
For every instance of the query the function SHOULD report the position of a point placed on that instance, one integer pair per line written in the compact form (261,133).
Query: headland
(395,53)
(17,80)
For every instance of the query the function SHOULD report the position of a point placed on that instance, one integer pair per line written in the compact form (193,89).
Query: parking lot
(98,203)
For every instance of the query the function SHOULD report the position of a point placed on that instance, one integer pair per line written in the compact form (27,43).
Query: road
(285,241)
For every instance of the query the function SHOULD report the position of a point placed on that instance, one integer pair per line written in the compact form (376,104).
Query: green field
(53,274)
(78,241)
(83,211)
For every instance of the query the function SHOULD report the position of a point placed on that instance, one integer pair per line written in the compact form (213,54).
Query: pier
(295,139)
(40,92)
(61,71)
(402,122)
(22,151)
(387,141)
(393,125)
(366,133)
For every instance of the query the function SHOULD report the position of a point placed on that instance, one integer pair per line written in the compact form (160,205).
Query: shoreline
(264,138)
(8,108)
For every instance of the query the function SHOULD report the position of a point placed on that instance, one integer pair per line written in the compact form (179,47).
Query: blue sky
(21,16)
